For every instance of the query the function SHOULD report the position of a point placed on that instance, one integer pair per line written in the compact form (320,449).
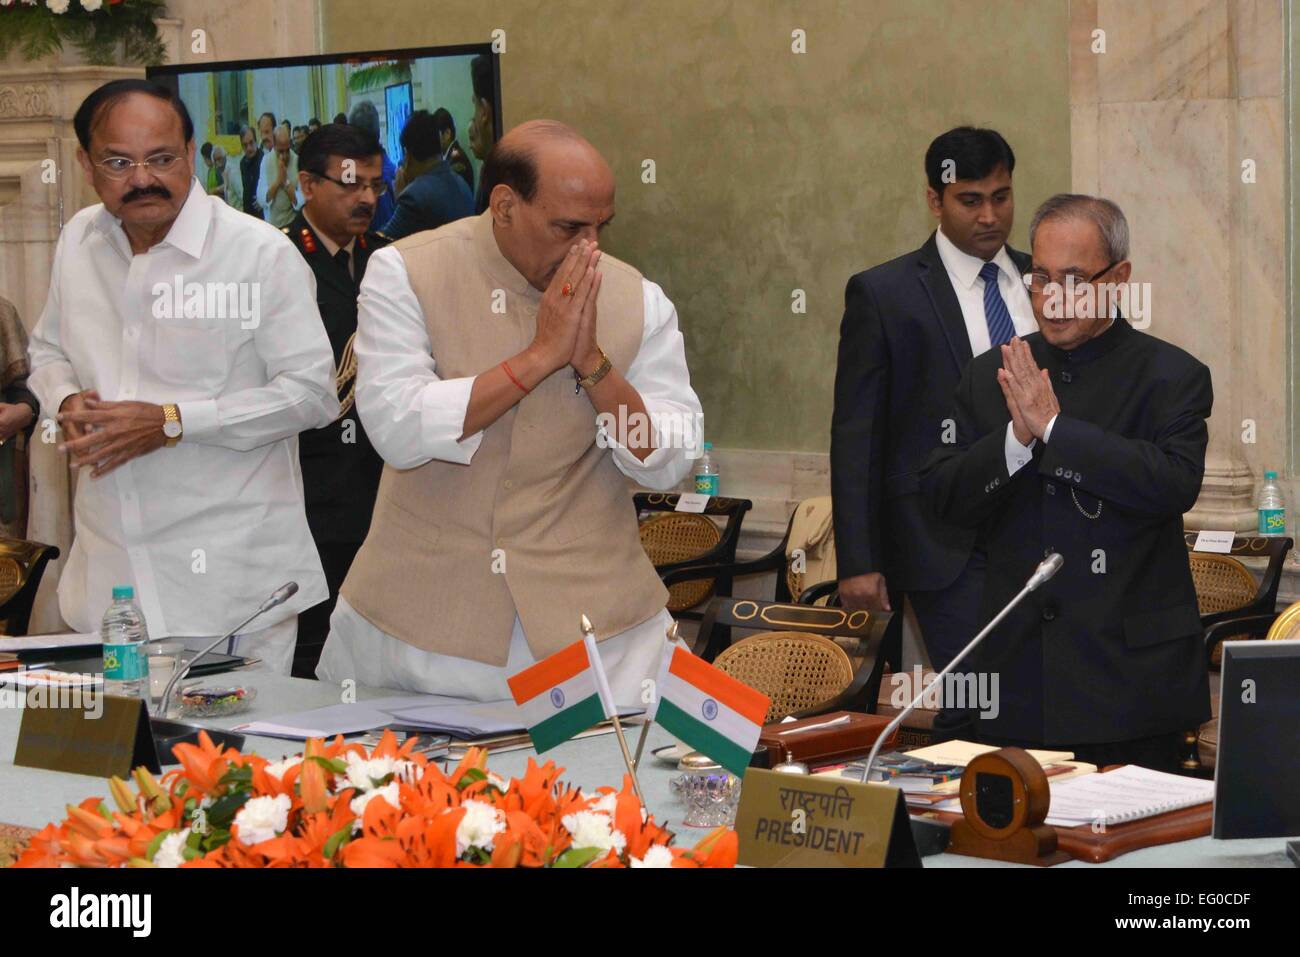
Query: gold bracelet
(602,370)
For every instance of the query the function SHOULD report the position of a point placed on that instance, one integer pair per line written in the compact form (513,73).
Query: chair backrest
(1287,625)
(1274,549)
(679,537)
(21,565)
(796,670)
(1222,583)
(671,538)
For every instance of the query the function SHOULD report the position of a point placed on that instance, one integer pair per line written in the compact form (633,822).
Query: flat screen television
(388,84)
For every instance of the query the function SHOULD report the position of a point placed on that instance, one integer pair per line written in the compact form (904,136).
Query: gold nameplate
(99,734)
(795,820)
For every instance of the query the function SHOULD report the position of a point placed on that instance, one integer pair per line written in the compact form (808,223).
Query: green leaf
(472,776)
(104,812)
(156,843)
(223,809)
(238,777)
(578,857)
(337,840)
(333,765)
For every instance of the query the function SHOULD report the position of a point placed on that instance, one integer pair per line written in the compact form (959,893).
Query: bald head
(281,139)
(547,188)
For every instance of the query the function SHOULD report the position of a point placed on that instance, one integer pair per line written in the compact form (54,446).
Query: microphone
(1048,567)
(279,597)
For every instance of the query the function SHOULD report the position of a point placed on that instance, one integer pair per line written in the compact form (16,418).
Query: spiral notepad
(1126,794)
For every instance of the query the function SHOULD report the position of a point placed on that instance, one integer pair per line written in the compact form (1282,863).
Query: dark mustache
(363,209)
(140,192)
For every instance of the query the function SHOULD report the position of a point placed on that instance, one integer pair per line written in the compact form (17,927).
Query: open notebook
(1126,794)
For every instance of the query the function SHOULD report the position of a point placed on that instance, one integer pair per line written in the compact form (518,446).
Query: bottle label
(1272,521)
(125,662)
(706,484)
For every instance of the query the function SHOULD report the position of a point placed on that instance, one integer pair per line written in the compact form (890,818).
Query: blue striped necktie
(996,314)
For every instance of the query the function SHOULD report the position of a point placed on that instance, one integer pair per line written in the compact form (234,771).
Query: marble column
(1180,119)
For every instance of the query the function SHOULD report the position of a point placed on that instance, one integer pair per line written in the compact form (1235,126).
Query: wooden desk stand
(1004,800)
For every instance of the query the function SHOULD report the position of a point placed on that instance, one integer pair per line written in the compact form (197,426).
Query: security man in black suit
(340,171)
(1086,439)
(910,328)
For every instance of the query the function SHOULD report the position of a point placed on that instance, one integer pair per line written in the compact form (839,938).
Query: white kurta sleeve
(660,375)
(52,378)
(290,339)
(411,414)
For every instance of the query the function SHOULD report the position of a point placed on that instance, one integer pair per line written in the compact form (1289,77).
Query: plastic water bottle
(706,473)
(126,656)
(1272,511)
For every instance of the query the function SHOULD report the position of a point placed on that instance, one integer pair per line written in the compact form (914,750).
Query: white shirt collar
(965,268)
(189,230)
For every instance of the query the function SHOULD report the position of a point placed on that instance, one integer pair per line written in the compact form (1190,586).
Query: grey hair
(1102,213)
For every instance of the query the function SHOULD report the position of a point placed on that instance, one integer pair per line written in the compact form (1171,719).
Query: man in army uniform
(340,171)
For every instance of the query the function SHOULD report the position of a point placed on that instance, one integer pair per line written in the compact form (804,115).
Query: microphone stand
(1046,569)
(282,594)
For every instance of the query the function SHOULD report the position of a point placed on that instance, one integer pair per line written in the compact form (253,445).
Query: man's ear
(83,160)
(1122,272)
(503,203)
(933,200)
(307,183)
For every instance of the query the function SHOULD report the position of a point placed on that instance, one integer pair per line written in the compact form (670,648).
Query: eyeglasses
(1039,281)
(119,167)
(376,186)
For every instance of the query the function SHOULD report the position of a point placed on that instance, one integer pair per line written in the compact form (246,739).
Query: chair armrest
(814,593)
(1255,625)
(688,571)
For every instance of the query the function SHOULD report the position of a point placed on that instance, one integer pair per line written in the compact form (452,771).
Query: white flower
(591,829)
(363,772)
(606,804)
(498,782)
(388,792)
(170,852)
(277,770)
(261,819)
(655,856)
(479,827)
(57,6)
(90,6)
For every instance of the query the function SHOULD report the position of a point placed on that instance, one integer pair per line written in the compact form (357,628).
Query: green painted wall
(775,171)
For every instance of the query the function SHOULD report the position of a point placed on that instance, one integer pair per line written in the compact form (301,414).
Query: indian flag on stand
(563,695)
(708,709)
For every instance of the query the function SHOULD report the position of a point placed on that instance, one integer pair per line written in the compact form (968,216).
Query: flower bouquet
(104,31)
(338,806)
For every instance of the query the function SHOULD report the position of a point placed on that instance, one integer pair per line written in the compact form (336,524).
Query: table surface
(34,798)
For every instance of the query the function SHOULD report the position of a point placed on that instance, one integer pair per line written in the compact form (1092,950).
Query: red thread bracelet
(506,365)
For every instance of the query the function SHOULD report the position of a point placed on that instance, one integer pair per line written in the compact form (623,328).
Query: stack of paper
(1129,793)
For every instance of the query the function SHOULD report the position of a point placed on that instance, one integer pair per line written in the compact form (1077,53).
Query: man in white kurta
(182,352)
(416,412)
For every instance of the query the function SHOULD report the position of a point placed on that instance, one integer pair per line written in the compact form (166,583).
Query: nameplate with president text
(103,736)
(797,820)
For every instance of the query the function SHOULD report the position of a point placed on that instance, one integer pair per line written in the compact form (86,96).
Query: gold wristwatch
(602,370)
(172,430)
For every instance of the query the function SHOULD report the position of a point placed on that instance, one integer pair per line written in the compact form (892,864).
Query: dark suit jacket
(459,162)
(903,346)
(434,198)
(1109,649)
(340,478)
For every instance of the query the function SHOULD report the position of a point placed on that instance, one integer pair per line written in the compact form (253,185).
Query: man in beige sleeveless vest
(486,350)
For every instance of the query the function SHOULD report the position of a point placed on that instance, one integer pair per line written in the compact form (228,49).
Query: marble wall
(1180,119)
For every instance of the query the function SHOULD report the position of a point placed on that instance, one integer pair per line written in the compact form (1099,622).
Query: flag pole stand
(645,726)
(589,639)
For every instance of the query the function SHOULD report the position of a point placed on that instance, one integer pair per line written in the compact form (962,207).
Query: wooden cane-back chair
(22,564)
(795,669)
(678,541)
(808,659)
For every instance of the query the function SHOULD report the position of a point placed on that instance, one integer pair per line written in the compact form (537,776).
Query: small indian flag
(563,695)
(708,709)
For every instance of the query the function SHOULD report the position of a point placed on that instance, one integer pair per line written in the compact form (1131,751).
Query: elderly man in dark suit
(1088,439)
(910,327)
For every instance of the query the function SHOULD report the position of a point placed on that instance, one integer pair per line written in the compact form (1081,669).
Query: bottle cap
(123,592)
(708,445)
(1268,476)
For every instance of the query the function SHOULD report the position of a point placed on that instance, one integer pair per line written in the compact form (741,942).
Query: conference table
(32,797)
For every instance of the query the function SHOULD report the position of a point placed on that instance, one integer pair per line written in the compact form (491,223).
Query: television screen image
(379,90)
